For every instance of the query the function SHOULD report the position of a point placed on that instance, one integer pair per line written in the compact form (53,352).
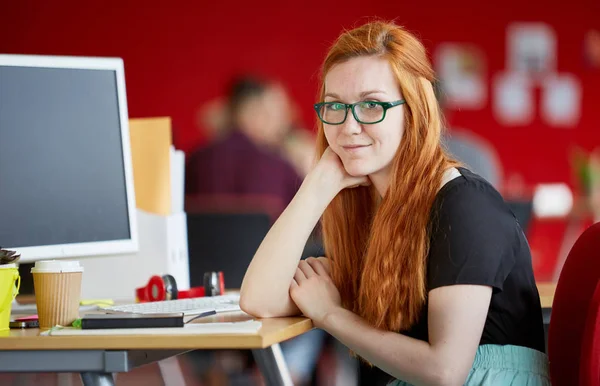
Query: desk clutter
(165,288)
(159,306)
(9,284)
(57,287)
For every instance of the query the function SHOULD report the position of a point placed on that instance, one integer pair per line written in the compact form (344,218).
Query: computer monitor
(66,180)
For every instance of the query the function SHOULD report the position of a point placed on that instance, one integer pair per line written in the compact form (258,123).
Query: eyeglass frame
(386,106)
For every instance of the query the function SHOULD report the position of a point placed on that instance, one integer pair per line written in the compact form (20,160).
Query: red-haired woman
(428,274)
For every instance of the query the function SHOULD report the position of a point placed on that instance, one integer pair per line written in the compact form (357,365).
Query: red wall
(179,56)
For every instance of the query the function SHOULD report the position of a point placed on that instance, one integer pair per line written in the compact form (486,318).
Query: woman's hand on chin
(330,171)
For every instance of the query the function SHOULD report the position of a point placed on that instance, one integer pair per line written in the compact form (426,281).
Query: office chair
(476,153)
(227,242)
(234,203)
(523,211)
(574,333)
(224,242)
(589,370)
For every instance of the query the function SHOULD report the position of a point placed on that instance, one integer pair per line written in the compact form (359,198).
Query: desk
(97,357)
(546,290)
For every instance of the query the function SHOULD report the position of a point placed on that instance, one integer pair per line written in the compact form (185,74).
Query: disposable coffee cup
(57,285)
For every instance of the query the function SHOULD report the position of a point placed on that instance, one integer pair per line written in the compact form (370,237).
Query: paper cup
(57,287)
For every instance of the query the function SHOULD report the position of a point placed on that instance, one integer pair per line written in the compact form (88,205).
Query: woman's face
(365,149)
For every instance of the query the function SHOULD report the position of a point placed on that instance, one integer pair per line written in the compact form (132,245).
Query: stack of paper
(247,327)
(177,180)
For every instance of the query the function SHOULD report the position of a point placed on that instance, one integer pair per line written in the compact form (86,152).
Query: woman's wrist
(310,201)
(322,185)
(333,318)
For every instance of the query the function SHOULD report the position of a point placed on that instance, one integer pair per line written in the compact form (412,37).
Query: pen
(203,314)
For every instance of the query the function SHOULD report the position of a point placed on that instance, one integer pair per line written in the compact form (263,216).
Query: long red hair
(378,247)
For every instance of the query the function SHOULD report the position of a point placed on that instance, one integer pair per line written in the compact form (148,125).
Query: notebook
(131,320)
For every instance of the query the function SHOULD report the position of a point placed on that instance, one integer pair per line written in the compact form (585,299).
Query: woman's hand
(313,290)
(331,171)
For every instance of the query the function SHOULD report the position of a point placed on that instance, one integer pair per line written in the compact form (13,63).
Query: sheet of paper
(177,180)
(461,68)
(531,49)
(513,102)
(561,100)
(247,327)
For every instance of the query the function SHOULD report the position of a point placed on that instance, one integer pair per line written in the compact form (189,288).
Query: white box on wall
(163,249)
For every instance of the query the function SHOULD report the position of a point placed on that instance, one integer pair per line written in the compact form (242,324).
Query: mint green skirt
(506,365)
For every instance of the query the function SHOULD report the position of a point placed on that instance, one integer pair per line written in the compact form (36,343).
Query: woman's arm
(265,289)
(456,317)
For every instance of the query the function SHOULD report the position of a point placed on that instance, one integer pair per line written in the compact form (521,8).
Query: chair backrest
(477,154)
(574,292)
(235,203)
(523,211)
(589,369)
(224,242)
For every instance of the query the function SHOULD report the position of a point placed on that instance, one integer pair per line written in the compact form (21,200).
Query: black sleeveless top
(476,239)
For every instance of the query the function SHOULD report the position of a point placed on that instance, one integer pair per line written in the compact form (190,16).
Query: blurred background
(519,83)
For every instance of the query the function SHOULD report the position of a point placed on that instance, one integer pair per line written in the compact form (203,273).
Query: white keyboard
(193,306)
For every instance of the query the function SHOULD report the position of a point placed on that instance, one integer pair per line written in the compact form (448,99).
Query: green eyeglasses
(366,112)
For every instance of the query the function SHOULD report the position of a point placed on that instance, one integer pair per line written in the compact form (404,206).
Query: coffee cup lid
(56,266)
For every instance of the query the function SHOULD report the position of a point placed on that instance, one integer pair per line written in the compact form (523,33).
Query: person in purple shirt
(246,161)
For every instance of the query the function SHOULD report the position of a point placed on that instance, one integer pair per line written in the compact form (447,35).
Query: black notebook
(130,320)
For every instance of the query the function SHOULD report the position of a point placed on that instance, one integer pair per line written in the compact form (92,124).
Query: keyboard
(192,306)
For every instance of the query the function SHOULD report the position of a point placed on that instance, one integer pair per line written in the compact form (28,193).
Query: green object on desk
(76,323)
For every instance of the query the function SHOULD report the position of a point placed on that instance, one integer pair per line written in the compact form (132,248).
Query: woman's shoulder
(467,189)
(473,234)
(469,202)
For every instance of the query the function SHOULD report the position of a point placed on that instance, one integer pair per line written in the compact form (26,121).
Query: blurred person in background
(294,142)
(299,143)
(256,150)
(243,159)
(212,119)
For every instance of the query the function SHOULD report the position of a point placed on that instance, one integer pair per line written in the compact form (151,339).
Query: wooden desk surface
(273,330)
(546,290)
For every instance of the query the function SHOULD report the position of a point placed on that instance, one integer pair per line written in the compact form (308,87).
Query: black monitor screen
(62,177)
